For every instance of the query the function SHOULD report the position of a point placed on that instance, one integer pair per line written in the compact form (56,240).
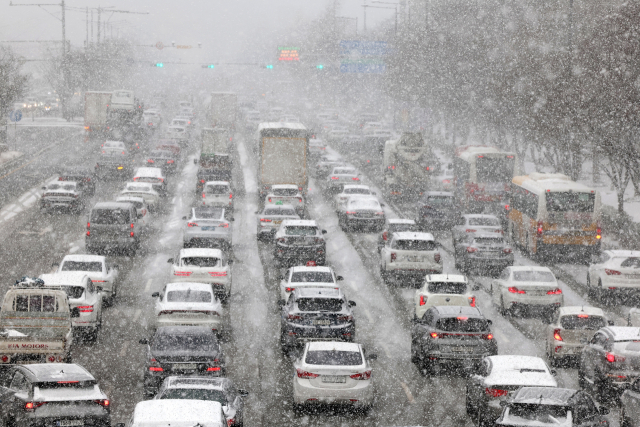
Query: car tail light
(170,161)
(155,369)
(393,256)
(583,316)
(88,225)
(300,199)
(350,212)
(312,263)
(213,369)
(230,196)
(294,317)
(556,335)
(515,290)
(289,289)
(123,152)
(150,161)
(355,178)
(472,301)
(380,213)
(423,300)
(334,177)
(218,273)
(192,224)
(131,225)
(4,358)
(384,235)
(366,375)
(495,392)
(615,358)
(556,291)
(103,402)
(85,308)
(202,181)
(539,231)
(265,220)
(345,318)
(131,234)
(305,374)
(224,225)
(299,188)
(506,250)
(437,258)
(506,207)
(471,249)
(435,335)
(270,200)
(498,230)
(612,272)
(203,195)
(182,273)
(31,406)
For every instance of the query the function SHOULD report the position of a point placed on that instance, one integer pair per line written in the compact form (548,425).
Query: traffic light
(158,64)
(269,67)
(209,66)
(320,66)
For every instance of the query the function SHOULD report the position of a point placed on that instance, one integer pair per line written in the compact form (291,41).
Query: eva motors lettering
(18,346)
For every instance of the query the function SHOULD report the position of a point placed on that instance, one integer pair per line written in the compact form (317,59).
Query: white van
(177,413)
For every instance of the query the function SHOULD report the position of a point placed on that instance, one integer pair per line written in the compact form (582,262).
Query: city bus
(482,177)
(551,213)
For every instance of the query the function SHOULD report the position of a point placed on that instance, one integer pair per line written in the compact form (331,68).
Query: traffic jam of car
(327,286)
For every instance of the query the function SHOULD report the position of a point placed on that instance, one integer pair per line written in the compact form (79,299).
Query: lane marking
(148,285)
(137,314)
(499,334)
(353,285)
(405,387)
(366,312)
(123,351)
(386,350)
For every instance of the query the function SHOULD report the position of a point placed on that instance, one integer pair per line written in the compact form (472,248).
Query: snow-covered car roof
(272,206)
(302,268)
(400,220)
(189,285)
(200,252)
(529,268)
(625,333)
(569,310)
(345,170)
(48,372)
(355,187)
(543,395)
(520,370)
(452,310)
(333,345)
(130,199)
(622,253)
(218,183)
(449,278)
(84,258)
(284,187)
(65,278)
(412,235)
(299,223)
(152,172)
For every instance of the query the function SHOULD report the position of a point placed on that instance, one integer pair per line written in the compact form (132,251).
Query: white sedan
(286,194)
(333,373)
(303,276)
(535,288)
(341,176)
(203,266)
(145,190)
(188,304)
(615,272)
(350,190)
(102,273)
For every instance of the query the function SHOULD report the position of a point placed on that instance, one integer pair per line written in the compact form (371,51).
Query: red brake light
(506,207)
(384,235)
(437,258)
(423,300)
(366,375)
(203,195)
(507,250)
(30,406)
(472,301)
(230,196)
(471,250)
(556,291)
(103,402)
(515,290)
(170,161)
(469,230)
(614,358)
(487,336)
(583,316)
(88,224)
(202,181)
(393,256)
(305,374)
(355,178)
(495,392)
(131,234)
(150,161)
(289,289)
(434,335)
(311,264)
(224,225)
(192,224)
(334,177)
(556,335)
(155,369)
(350,212)
(131,225)
(265,220)
(84,309)
(269,199)
(612,272)
(539,228)
(213,369)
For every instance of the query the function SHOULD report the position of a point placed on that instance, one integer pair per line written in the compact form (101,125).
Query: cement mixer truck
(407,165)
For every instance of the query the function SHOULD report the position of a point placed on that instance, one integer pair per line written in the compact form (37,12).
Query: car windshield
(447,287)
(188,295)
(462,324)
(333,358)
(217,189)
(495,169)
(570,202)
(81,266)
(279,212)
(414,245)
(297,230)
(439,200)
(184,342)
(547,414)
(66,187)
(357,191)
(533,276)
(319,304)
(201,213)
(484,222)
(160,154)
(488,241)
(74,291)
(344,171)
(285,191)
(140,188)
(211,395)
(109,216)
(200,261)
(402,227)
(311,276)
(631,263)
(582,322)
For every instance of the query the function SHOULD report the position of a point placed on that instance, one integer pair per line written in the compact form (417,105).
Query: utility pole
(98,40)
(40,5)
(92,39)
(87,22)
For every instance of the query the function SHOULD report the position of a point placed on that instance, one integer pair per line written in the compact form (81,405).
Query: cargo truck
(223,110)
(283,150)
(95,112)
(407,165)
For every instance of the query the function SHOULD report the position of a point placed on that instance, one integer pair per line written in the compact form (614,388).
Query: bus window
(494,169)
(570,202)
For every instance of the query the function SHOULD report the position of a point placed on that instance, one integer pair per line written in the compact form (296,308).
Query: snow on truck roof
(281,125)
(84,258)
(471,151)
(176,413)
(550,182)
(200,252)
(410,235)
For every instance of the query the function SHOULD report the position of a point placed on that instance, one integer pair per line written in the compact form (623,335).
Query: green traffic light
(159,64)
(319,67)
(211,66)
(269,67)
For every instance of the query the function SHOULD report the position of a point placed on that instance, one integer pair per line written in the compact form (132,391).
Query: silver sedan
(271,217)
(207,227)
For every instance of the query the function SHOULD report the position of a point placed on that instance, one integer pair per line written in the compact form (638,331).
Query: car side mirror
(489,322)
(195,161)
(339,278)
(611,323)
(476,287)
(281,302)
(382,205)
(143,341)
(352,303)
(170,260)
(554,372)
(184,217)
(243,393)
(324,231)
(155,294)
(503,403)
(230,261)
(75,313)
(371,356)
(140,216)
(604,410)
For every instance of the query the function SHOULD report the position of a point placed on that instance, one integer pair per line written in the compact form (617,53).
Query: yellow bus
(549,212)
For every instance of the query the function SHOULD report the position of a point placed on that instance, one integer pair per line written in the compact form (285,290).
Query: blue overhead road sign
(15,115)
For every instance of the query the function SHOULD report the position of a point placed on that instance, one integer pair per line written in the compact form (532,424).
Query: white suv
(410,255)
(443,289)
(218,194)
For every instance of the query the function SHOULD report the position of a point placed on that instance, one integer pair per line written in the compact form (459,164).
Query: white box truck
(223,110)
(95,110)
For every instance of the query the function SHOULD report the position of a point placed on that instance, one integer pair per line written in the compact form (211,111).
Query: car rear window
(208,213)
(65,187)
(279,212)
(402,227)
(582,322)
(81,266)
(88,384)
(161,154)
(462,324)
(188,295)
(74,291)
(333,358)
(489,241)
(195,394)
(631,263)
(415,245)
(198,261)
(447,287)
(356,191)
(36,303)
(547,414)
(298,230)
(185,342)
(285,192)
(485,222)
(319,304)
(439,200)
(343,171)
(533,276)
(142,188)
(311,276)
(110,216)
(217,189)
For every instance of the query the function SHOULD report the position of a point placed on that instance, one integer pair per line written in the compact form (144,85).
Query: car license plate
(70,423)
(277,221)
(334,379)
(323,322)
(120,167)
(184,367)
(414,259)
(461,349)
(208,228)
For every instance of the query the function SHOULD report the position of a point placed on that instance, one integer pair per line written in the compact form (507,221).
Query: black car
(183,351)
(163,159)
(437,210)
(299,242)
(114,164)
(547,406)
(316,313)
(451,335)
(85,179)
(207,175)
(484,251)
(30,395)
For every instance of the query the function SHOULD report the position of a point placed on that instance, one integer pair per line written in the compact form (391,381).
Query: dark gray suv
(113,226)
(31,395)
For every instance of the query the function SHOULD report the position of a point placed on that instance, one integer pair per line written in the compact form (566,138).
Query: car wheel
(503,310)
(456,261)
(590,290)
(471,410)
(624,421)
(600,295)
(553,361)
(415,358)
